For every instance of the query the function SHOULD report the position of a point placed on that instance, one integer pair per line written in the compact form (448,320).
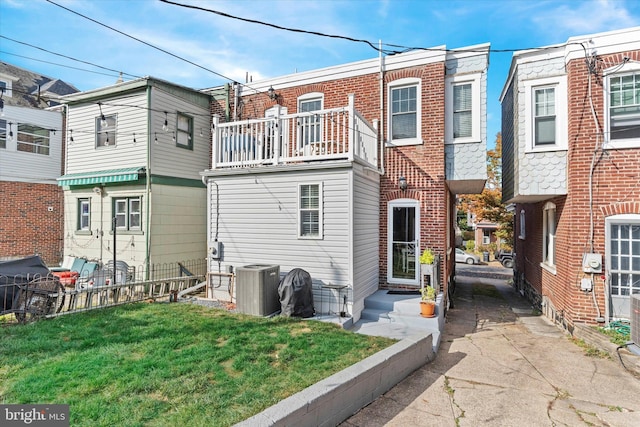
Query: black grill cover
(296,294)
(18,272)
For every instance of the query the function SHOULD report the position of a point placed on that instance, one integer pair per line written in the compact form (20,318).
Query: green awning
(101,177)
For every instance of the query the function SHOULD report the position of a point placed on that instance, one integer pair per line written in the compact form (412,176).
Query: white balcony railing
(333,134)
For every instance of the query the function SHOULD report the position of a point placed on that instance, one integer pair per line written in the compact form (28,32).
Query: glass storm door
(403,231)
(623,241)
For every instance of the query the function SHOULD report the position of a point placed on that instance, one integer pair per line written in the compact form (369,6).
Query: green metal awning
(101,177)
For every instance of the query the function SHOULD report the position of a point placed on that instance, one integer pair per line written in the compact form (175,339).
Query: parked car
(467,258)
(505,257)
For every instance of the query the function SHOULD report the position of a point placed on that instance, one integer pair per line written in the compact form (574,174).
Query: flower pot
(427,308)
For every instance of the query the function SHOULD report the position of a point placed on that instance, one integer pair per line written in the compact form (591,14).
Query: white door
(403,231)
(623,260)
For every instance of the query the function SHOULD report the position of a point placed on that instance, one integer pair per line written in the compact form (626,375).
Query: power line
(142,41)
(65,56)
(61,65)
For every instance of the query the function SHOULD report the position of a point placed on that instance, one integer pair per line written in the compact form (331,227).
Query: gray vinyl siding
(168,159)
(178,223)
(31,167)
(540,173)
(257,222)
(366,236)
(509,152)
(84,156)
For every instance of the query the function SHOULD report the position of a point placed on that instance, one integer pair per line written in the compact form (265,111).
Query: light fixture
(134,139)
(156,137)
(106,142)
(103,119)
(174,137)
(71,136)
(201,132)
(10,131)
(272,94)
(402,183)
(165,125)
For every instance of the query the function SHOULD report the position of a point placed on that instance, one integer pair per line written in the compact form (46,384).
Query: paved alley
(501,364)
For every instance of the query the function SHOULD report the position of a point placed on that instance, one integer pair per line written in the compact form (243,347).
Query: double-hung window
(106,130)
(623,106)
(546,114)
(184,131)
(549,235)
(310,211)
(33,139)
(405,111)
(127,211)
(84,214)
(463,109)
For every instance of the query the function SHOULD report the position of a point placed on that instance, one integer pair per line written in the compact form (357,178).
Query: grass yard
(170,364)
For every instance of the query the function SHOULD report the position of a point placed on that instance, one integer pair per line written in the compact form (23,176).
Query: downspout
(147,260)
(236,97)
(227,103)
(381,127)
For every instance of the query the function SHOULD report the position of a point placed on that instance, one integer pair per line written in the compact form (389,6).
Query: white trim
(609,142)
(549,247)
(559,83)
(320,235)
(476,110)
(403,203)
(522,225)
(397,84)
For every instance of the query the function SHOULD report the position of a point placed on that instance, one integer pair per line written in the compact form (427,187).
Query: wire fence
(29,297)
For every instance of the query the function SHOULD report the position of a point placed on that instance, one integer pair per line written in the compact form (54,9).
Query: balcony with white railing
(332,134)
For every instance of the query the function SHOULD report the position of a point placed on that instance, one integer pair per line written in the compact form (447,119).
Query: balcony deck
(333,134)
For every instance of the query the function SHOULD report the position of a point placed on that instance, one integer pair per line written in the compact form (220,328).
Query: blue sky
(233,48)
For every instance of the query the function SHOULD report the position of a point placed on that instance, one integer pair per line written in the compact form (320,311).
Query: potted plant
(428,302)
(426,261)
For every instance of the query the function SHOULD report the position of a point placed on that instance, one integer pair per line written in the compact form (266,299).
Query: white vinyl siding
(45,161)
(84,156)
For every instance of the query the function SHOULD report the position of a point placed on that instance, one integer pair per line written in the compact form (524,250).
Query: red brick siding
(27,226)
(616,190)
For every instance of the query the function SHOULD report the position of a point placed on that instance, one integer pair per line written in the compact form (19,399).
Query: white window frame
(522,227)
(476,109)
(81,214)
(610,141)
(8,86)
(623,219)
(549,221)
(32,141)
(319,209)
(399,84)
(316,123)
(110,131)
(559,84)
(128,213)
(184,137)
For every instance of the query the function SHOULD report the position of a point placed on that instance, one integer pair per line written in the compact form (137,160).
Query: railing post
(276,137)
(376,124)
(215,140)
(352,125)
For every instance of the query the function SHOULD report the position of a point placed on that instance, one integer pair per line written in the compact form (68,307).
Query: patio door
(403,231)
(623,259)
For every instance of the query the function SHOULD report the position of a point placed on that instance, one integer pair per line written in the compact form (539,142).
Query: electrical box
(592,263)
(586,285)
(215,250)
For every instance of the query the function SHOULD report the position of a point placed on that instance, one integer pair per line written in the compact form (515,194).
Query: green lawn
(170,364)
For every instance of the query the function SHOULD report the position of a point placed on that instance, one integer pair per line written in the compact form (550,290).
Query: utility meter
(592,263)
(215,250)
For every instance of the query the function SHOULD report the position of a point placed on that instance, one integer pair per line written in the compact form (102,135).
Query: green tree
(488,205)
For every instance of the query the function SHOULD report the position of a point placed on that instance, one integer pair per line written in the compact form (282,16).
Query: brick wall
(31,221)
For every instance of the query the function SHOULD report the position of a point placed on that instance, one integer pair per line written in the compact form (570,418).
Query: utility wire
(62,65)
(142,41)
(64,56)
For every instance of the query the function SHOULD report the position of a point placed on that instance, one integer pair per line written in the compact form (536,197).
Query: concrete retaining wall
(334,399)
